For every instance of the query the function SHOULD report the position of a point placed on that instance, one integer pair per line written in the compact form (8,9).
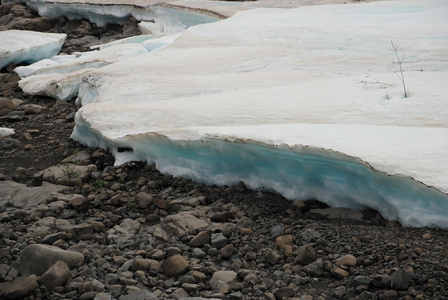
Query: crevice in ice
(296,172)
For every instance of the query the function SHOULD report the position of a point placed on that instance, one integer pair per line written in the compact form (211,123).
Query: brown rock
(246,231)
(57,275)
(339,273)
(347,261)
(227,251)
(79,203)
(222,216)
(98,226)
(381,281)
(147,265)
(201,239)
(143,200)
(18,289)
(175,266)
(161,203)
(86,287)
(284,240)
(390,295)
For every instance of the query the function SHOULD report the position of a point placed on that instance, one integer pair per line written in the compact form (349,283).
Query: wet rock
(175,265)
(38,258)
(57,275)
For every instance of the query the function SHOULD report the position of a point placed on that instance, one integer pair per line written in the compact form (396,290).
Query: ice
(19,46)
(61,79)
(303,101)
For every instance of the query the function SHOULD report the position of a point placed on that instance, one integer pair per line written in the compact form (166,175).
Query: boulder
(175,265)
(38,258)
(183,223)
(18,289)
(57,275)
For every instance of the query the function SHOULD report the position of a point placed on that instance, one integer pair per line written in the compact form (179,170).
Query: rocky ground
(72,226)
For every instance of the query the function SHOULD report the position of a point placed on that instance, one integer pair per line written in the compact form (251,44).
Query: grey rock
(183,223)
(38,258)
(175,265)
(218,240)
(20,196)
(400,280)
(309,236)
(140,295)
(362,280)
(314,269)
(227,277)
(277,231)
(306,255)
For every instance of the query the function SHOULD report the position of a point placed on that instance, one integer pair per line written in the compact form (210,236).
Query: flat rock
(38,258)
(21,196)
(183,223)
(18,289)
(226,277)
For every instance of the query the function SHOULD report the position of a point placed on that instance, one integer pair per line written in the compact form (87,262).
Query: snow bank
(19,46)
(301,101)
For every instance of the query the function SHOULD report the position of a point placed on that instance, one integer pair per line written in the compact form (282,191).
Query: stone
(161,203)
(277,231)
(18,289)
(38,258)
(362,280)
(98,226)
(86,287)
(339,273)
(222,216)
(82,231)
(284,240)
(339,292)
(273,257)
(20,174)
(57,275)
(218,240)
(175,265)
(315,268)
(390,295)
(143,200)
(400,280)
(347,261)
(79,203)
(148,265)
(381,281)
(183,223)
(309,236)
(227,251)
(140,295)
(227,277)
(306,255)
(201,239)
(284,292)
(246,231)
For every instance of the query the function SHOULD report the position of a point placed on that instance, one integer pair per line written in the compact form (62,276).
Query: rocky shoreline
(73,226)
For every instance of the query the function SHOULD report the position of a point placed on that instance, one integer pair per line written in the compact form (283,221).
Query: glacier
(302,101)
(19,46)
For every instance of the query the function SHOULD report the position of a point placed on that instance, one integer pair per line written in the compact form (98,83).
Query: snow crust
(305,102)
(18,46)
(301,101)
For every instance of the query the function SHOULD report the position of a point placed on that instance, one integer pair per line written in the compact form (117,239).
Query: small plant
(131,202)
(99,183)
(399,62)
(387,96)
(70,170)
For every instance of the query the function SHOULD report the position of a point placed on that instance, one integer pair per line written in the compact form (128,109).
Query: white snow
(61,78)
(4,132)
(303,101)
(18,46)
